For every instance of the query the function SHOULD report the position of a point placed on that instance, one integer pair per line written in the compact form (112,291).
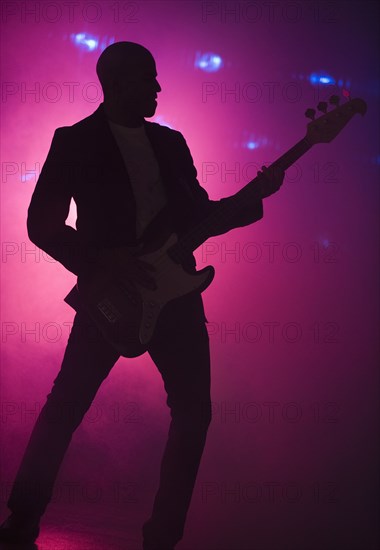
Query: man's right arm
(49,208)
(48,212)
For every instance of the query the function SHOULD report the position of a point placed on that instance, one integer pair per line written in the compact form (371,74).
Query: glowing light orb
(90,43)
(316,78)
(208,62)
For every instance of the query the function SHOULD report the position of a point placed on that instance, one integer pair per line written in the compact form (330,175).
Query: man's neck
(130,120)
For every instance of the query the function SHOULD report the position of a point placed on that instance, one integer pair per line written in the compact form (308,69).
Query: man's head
(127,73)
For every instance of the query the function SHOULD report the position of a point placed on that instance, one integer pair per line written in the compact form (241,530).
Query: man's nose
(158,87)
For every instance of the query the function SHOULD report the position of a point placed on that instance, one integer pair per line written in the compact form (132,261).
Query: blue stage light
(252,144)
(85,41)
(318,78)
(90,43)
(208,62)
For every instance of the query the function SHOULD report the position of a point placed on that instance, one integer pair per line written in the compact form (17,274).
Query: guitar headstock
(325,128)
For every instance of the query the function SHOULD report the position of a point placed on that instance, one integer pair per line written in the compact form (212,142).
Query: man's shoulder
(86,124)
(156,128)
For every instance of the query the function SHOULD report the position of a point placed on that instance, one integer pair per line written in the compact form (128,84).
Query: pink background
(291,457)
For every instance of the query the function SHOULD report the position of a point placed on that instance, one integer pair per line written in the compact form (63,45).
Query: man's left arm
(233,213)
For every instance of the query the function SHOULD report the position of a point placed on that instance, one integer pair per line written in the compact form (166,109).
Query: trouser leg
(180,350)
(87,360)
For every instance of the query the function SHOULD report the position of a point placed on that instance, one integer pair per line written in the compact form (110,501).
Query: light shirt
(143,171)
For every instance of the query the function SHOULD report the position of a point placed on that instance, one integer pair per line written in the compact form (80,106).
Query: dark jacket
(84,163)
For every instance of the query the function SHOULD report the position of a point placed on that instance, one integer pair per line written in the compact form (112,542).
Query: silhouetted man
(130,180)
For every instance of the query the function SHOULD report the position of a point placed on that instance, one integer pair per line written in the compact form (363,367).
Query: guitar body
(127,316)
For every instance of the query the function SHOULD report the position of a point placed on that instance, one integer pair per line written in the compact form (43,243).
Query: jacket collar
(154,132)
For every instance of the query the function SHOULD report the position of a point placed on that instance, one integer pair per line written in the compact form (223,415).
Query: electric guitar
(127,315)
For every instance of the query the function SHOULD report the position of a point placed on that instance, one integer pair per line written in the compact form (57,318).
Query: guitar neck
(291,156)
(201,232)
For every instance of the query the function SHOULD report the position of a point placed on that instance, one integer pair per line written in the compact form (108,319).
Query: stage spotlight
(251,141)
(252,144)
(85,41)
(90,43)
(208,62)
(321,78)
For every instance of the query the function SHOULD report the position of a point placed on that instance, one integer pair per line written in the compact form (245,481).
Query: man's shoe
(19,529)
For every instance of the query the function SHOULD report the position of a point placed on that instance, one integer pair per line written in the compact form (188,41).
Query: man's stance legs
(87,361)
(180,349)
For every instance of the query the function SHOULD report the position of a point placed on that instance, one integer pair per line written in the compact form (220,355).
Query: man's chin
(150,109)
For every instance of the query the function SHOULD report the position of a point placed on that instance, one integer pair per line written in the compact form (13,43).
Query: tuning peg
(346,94)
(334,100)
(322,106)
(310,113)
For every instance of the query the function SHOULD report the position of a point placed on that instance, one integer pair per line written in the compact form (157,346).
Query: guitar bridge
(110,312)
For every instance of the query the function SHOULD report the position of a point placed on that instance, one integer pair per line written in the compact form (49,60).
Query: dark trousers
(180,350)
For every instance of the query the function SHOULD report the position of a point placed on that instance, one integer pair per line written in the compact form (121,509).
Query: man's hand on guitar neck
(123,265)
(270,180)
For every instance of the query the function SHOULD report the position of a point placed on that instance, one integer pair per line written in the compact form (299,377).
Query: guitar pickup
(110,312)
